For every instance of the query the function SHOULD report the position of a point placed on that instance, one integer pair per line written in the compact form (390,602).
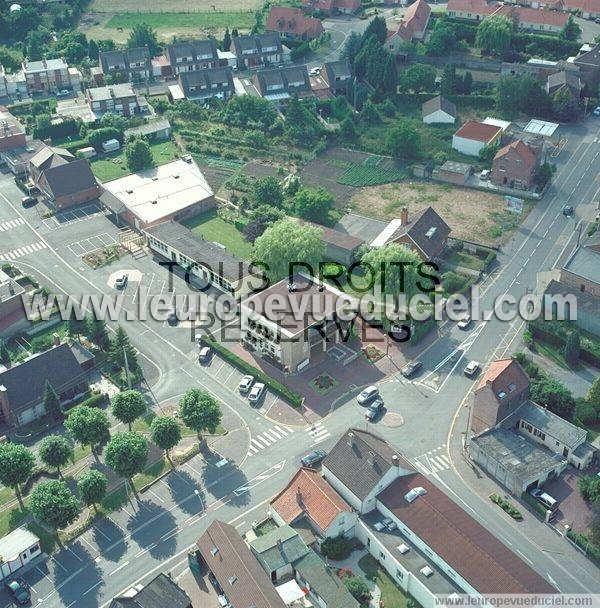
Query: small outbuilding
(438,111)
(17,549)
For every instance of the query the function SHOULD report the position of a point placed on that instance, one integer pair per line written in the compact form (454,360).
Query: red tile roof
(527,155)
(502,373)
(415,20)
(537,16)
(309,494)
(471,6)
(288,20)
(461,541)
(478,131)
(318,5)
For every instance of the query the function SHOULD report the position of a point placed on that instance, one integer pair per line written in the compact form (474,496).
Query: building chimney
(395,461)
(404,216)
(56,339)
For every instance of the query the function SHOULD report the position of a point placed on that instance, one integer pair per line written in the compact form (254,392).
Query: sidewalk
(351,563)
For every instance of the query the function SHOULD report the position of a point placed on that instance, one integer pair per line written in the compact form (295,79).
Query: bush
(94,401)
(591,550)
(283,391)
(589,488)
(452,282)
(337,549)
(507,507)
(357,587)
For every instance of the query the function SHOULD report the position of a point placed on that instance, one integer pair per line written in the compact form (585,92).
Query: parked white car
(472,368)
(256,393)
(245,384)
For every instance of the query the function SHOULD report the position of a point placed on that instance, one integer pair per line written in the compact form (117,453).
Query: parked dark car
(567,210)
(29,201)
(374,409)
(313,459)
(19,589)
(410,369)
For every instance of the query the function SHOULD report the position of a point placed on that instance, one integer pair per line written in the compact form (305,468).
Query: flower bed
(507,507)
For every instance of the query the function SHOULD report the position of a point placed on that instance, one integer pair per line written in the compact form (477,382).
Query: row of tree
(52,503)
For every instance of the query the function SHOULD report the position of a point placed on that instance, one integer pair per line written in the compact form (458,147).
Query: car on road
(313,459)
(367,395)
(374,409)
(472,368)
(121,281)
(19,589)
(596,111)
(567,210)
(29,201)
(245,384)
(172,318)
(465,322)
(205,354)
(597,20)
(257,392)
(314,71)
(410,369)
(484,174)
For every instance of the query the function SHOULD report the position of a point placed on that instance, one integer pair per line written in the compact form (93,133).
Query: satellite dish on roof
(14,8)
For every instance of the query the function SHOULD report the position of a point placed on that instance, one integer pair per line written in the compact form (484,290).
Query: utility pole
(127,368)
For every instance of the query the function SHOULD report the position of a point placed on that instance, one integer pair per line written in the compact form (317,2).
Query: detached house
(411,28)
(331,7)
(258,50)
(293,24)
(22,386)
(338,76)
(133,63)
(193,55)
(589,67)
(64,180)
(567,80)
(515,165)
(438,111)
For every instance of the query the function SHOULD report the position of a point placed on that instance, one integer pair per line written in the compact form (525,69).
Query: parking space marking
(10,224)
(58,563)
(73,552)
(21,251)
(44,575)
(93,243)
(101,533)
(156,496)
(66,218)
(88,543)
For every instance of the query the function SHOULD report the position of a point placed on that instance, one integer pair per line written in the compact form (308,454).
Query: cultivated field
(174,6)
(473,215)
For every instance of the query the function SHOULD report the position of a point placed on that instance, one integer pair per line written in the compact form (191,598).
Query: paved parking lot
(93,243)
(66,218)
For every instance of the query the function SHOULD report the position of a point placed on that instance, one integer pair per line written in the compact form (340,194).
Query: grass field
(112,166)
(206,21)
(391,595)
(210,226)
(174,6)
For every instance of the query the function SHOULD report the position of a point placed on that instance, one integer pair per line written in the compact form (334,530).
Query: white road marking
(119,568)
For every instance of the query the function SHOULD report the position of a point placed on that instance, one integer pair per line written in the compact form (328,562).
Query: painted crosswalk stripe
(271,433)
(9,224)
(24,250)
(318,433)
(262,441)
(284,432)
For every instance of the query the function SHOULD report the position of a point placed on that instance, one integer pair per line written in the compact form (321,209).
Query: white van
(545,499)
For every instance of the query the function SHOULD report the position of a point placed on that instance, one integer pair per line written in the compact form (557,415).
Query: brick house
(116,99)
(589,68)
(12,132)
(331,7)
(192,55)
(22,386)
(50,76)
(473,136)
(12,314)
(279,84)
(293,24)
(133,63)
(514,166)
(202,85)
(501,390)
(64,180)
(412,27)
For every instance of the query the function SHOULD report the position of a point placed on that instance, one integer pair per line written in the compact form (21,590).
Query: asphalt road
(155,533)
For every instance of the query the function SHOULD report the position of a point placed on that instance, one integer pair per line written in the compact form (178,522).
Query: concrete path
(352,564)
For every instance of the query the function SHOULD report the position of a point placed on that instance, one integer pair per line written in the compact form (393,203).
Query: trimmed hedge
(94,401)
(507,507)
(538,507)
(290,396)
(592,551)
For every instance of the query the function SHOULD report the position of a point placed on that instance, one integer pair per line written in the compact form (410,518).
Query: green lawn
(465,259)
(112,166)
(391,595)
(208,20)
(142,425)
(211,227)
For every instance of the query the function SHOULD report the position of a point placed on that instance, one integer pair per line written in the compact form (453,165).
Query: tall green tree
(593,395)
(52,402)
(226,45)
(75,326)
(390,74)
(418,77)
(572,348)
(16,466)
(97,332)
(200,411)
(554,395)
(127,454)
(377,27)
(287,242)
(352,47)
(88,426)
(404,141)
(565,106)
(313,204)
(92,487)
(128,406)
(165,432)
(54,505)
(138,154)
(55,451)
(267,191)
(143,35)
(494,34)
(93,50)
(570,30)
(448,83)
(120,352)
(4,353)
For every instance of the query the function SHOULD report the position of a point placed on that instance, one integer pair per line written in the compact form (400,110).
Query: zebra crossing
(10,224)
(26,249)
(269,437)
(433,462)
(318,433)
